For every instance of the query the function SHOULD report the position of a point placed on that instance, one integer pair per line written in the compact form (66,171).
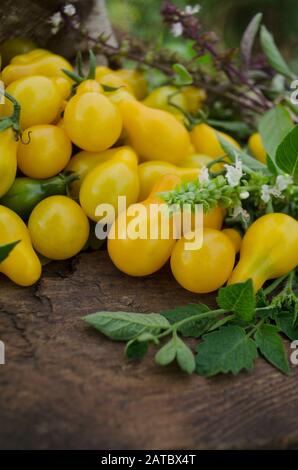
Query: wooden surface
(65,386)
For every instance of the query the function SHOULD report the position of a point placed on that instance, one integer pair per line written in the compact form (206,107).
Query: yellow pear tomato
(45,150)
(92,121)
(207,268)
(39,98)
(58,227)
(205,141)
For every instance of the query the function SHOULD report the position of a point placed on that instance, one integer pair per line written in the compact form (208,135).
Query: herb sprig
(241,327)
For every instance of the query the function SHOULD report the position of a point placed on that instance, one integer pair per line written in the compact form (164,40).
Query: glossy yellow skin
(159,99)
(30,56)
(101,71)
(83,162)
(39,97)
(194,98)
(269,250)
(22,265)
(256,147)
(92,121)
(214,218)
(141,257)
(8,159)
(64,86)
(153,133)
(205,269)
(235,237)
(58,227)
(35,63)
(44,152)
(151,172)
(136,80)
(203,138)
(118,176)
(89,86)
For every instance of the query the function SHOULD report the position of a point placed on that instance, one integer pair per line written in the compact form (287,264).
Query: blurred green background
(227,17)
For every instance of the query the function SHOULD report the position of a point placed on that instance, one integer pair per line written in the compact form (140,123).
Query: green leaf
(92,65)
(273,127)
(123,326)
(226,350)
(238,298)
(182,76)
(193,328)
(273,55)
(176,349)
(135,349)
(287,153)
(248,38)
(166,354)
(233,153)
(271,347)
(238,127)
(6,249)
(109,88)
(285,322)
(184,356)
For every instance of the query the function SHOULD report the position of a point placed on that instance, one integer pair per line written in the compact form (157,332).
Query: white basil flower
(192,10)
(234,173)
(283,181)
(56,20)
(177,29)
(69,9)
(268,191)
(204,175)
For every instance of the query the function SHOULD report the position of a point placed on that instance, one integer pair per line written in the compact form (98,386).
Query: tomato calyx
(12,121)
(80,76)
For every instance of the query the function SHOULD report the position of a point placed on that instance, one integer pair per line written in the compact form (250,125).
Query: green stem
(255,328)
(276,283)
(211,313)
(199,316)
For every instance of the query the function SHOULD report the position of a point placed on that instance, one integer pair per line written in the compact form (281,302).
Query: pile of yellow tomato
(120,142)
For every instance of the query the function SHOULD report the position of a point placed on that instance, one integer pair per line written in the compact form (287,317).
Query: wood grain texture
(65,386)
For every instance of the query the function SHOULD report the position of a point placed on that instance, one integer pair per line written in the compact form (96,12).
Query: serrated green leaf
(123,326)
(233,153)
(226,350)
(285,323)
(176,349)
(238,298)
(166,354)
(193,328)
(182,76)
(274,125)
(271,347)
(273,55)
(248,38)
(287,154)
(6,249)
(184,356)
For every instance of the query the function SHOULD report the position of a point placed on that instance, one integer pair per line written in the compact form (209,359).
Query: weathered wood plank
(65,386)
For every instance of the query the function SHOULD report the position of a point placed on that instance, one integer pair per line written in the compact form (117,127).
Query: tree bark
(30,18)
